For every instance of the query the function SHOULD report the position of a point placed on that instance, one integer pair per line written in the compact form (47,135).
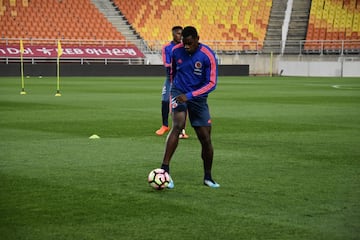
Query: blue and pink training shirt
(196,74)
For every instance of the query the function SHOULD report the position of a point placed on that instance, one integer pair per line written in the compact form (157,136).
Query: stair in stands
(114,17)
(297,26)
(273,34)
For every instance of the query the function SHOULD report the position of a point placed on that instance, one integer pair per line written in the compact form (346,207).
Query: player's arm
(166,57)
(172,68)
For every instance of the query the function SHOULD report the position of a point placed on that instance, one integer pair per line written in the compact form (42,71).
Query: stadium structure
(284,37)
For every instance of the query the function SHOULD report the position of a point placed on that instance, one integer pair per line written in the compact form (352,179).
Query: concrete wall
(298,65)
(319,69)
(351,69)
(230,65)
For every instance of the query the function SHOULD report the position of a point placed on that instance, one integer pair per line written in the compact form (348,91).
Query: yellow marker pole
(58,94)
(271,64)
(22,68)
(59,53)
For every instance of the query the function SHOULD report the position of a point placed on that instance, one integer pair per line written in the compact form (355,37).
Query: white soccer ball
(158,178)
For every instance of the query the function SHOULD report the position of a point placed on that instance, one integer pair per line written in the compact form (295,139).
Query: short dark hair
(175,28)
(190,31)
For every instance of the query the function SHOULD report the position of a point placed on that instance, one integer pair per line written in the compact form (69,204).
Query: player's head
(176,32)
(190,39)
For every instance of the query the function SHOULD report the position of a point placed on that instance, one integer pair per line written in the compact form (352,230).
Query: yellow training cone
(94,136)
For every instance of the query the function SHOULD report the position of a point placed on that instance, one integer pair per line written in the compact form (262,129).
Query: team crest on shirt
(198,65)
(197,68)
(179,61)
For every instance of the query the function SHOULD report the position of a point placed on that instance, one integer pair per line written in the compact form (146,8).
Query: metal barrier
(301,47)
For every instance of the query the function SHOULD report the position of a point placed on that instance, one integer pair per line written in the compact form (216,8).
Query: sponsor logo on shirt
(174,103)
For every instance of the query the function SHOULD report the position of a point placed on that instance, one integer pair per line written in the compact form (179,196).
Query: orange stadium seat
(67,19)
(333,21)
(215,20)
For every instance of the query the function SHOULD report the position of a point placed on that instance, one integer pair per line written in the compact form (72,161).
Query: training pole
(22,68)
(59,53)
(271,64)
(58,94)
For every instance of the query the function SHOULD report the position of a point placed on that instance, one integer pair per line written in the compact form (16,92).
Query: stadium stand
(228,26)
(235,25)
(36,19)
(334,25)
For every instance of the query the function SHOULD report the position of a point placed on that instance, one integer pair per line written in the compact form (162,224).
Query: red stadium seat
(334,20)
(53,19)
(216,20)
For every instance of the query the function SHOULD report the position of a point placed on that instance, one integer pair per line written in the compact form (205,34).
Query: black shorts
(198,109)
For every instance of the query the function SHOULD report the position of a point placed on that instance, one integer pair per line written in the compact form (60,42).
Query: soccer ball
(158,178)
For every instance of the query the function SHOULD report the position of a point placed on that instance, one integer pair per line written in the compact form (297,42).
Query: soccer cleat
(171,184)
(211,183)
(162,130)
(183,135)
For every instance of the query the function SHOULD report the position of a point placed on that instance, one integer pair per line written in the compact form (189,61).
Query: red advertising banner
(71,52)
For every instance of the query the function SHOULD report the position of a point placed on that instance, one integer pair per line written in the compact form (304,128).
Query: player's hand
(181,98)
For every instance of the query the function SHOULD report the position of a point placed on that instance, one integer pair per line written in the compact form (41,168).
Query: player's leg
(199,116)
(178,123)
(207,150)
(172,141)
(207,153)
(173,136)
(165,109)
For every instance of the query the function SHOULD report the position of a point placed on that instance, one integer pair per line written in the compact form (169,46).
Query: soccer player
(165,95)
(194,75)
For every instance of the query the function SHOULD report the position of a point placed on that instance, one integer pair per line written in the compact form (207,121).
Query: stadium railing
(336,47)
(306,47)
(291,47)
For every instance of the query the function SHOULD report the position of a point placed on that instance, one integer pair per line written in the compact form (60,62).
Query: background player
(165,95)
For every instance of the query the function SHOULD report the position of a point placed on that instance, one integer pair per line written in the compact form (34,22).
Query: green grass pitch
(287,154)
